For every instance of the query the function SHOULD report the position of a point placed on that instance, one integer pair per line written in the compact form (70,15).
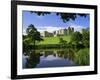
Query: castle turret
(70,30)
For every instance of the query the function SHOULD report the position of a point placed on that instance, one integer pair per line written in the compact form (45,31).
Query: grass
(54,40)
(82,56)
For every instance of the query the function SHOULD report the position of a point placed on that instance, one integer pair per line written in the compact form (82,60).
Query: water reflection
(48,58)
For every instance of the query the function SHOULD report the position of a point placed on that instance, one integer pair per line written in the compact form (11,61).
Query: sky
(52,22)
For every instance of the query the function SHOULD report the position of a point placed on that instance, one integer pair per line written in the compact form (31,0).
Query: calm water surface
(48,58)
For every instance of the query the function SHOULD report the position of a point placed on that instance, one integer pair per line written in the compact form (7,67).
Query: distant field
(54,40)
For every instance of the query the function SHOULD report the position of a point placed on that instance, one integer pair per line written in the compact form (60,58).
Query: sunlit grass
(54,40)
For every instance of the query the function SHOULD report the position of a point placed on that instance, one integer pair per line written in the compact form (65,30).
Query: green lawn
(54,40)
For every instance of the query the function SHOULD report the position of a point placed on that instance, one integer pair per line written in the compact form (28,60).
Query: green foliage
(64,16)
(62,42)
(26,42)
(82,57)
(30,39)
(85,39)
(76,37)
(81,39)
(33,33)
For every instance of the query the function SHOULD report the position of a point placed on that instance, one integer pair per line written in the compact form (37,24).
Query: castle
(59,32)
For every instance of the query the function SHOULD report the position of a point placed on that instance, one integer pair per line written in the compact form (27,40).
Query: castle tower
(68,30)
(72,30)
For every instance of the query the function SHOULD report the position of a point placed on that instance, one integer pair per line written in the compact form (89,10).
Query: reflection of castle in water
(48,58)
(58,32)
(68,54)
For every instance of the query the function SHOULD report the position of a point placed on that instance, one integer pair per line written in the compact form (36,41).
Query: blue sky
(52,22)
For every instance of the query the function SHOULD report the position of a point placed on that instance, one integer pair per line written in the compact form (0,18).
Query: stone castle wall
(58,32)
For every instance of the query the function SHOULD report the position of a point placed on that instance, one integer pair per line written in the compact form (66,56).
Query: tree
(33,34)
(64,16)
(85,39)
(76,38)
(62,42)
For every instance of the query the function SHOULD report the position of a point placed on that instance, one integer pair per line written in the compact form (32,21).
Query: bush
(86,37)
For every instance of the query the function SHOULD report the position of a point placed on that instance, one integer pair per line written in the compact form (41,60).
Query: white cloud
(78,27)
(24,32)
(52,28)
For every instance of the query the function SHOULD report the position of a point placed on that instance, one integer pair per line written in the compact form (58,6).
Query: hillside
(54,40)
